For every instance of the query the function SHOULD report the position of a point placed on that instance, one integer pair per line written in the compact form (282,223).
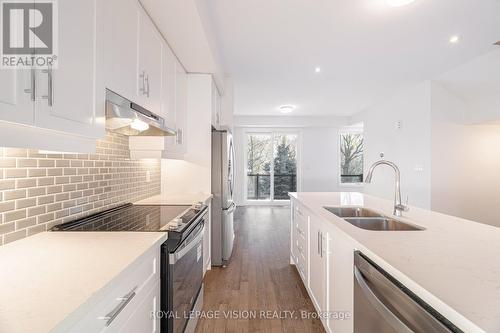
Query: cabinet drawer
(122,298)
(302,267)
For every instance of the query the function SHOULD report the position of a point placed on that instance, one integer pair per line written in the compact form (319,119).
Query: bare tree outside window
(271,165)
(351,158)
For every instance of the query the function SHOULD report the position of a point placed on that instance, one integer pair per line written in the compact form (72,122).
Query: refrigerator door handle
(230,209)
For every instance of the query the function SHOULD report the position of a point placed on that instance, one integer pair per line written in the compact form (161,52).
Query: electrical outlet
(418,168)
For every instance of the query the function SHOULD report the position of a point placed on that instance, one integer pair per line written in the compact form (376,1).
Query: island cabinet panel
(341,283)
(300,241)
(318,264)
(327,255)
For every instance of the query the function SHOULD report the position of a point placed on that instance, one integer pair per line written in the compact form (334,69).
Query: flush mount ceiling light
(398,3)
(454,39)
(286,108)
(317,69)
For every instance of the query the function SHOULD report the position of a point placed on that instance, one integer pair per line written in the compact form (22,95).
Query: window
(351,157)
(271,165)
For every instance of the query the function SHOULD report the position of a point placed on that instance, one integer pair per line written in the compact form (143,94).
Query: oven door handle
(174,257)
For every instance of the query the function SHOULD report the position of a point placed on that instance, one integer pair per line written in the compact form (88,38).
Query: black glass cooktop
(133,218)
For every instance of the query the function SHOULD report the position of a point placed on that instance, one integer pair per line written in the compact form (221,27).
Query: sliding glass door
(271,162)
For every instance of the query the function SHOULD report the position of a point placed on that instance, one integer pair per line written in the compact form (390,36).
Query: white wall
(193,174)
(477,83)
(320,160)
(448,164)
(465,160)
(319,150)
(408,146)
(227,103)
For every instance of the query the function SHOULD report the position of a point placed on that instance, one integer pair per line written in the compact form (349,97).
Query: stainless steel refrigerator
(223,206)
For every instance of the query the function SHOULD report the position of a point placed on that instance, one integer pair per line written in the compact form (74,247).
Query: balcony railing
(259,186)
(350,179)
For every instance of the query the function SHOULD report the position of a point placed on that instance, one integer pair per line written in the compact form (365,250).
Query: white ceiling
(366,50)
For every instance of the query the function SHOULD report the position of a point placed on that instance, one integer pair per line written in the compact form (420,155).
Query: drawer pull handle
(110,317)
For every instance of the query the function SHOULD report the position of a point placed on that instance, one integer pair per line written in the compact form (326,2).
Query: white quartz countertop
(453,264)
(46,277)
(175,199)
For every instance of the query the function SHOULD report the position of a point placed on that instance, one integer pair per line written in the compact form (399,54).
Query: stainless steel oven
(182,278)
(383,305)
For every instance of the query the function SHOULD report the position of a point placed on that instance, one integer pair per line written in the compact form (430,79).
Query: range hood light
(127,118)
(139,125)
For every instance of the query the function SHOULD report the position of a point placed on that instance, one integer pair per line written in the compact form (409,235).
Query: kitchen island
(451,264)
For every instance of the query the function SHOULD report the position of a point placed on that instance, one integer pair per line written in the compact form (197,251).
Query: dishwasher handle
(390,317)
(396,304)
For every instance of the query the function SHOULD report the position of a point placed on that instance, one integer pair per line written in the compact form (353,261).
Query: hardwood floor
(258,278)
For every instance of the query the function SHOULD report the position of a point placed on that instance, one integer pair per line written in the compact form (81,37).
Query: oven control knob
(177,222)
(172,227)
(198,205)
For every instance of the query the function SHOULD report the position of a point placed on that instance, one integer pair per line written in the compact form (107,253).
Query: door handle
(32,89)
(143,77)
(111,316)
(147,85)
(318,243)
(381,308)
(321,244)
(179,137)
(50,86)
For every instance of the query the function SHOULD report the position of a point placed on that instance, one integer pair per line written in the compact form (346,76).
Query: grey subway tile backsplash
(39,191)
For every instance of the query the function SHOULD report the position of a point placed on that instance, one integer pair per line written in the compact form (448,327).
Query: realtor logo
(28,33)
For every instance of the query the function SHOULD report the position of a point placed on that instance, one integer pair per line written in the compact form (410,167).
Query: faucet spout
(399,207)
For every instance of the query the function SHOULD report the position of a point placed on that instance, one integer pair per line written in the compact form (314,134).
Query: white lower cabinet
(141,320)
(311,252)
(318,263)
(300,240)
(128,304)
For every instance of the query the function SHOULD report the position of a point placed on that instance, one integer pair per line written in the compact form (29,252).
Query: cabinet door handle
(32,89)
(179,136)
(321,245)
(147,85)
(143,77)
(318,244)
(50,86)
(111,316)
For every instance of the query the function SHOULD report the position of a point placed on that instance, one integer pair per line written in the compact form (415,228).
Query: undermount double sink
(370,220)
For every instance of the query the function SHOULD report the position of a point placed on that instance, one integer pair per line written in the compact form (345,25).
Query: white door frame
(270,130)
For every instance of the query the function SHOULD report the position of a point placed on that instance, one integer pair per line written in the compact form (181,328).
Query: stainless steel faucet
(399,207)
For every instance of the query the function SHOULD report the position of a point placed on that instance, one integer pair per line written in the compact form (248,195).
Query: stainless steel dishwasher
(384,305)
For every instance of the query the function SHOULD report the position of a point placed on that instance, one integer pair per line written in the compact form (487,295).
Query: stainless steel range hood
(127,118)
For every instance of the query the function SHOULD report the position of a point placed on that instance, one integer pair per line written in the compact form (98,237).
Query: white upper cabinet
(176,146)
(149,79)
(168,80)
(16,103)
(133,54)
(216,106)
(120,47)
(70,98)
